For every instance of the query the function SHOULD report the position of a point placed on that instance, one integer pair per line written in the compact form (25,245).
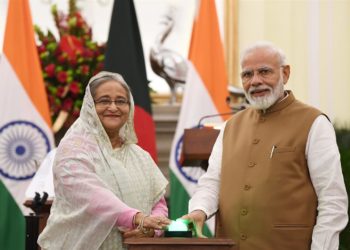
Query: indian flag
(205,94)
(25,133)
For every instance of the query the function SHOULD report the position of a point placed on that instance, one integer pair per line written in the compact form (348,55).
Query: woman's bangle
(134,220)
(140,226)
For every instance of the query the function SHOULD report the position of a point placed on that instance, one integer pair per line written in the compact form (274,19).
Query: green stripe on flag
(178,198)
(12,222)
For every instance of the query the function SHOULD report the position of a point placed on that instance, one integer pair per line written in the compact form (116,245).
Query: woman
(106,187)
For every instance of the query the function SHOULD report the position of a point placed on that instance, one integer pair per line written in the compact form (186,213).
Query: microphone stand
(32,221)
(213,115)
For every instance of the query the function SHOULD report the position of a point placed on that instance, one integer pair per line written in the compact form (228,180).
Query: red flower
(62,58)
(67,104)
(60,92)
(45,41)
(41,48)
(71,45)
(50,70)
(51,100)
(73,61)
(80,21)
(74,88)
(62,76)
(85,69)
(88,53)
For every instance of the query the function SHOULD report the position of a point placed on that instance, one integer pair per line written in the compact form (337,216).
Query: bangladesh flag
(124,55)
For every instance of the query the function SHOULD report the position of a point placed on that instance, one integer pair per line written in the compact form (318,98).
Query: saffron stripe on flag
(206,78)
(25,133)
(21,51)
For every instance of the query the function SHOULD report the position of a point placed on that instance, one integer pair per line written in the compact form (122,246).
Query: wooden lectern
(44,212)
(179,244)
(197,146)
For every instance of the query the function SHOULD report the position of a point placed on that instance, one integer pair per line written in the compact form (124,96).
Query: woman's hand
(146,226)
(145,222)
(137,233)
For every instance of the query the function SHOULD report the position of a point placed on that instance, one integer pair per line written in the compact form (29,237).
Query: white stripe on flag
(25,138)
(196,103)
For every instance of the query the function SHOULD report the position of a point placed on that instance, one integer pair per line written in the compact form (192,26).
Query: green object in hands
(180,228)
(178,225)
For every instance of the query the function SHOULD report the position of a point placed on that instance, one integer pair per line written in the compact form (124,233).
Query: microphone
(213,115)
(38,202)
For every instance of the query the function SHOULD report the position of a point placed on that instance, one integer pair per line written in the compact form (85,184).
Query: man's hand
(198,217)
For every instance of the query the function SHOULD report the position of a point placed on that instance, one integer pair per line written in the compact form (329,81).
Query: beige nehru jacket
(267,200)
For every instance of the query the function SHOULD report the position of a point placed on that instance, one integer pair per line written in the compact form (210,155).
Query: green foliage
(343,140)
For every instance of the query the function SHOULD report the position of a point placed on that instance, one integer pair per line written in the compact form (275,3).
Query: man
(274,173)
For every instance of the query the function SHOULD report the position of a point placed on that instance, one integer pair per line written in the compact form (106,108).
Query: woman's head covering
(88,112)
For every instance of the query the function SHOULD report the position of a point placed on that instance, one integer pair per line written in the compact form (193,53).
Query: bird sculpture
(167,63)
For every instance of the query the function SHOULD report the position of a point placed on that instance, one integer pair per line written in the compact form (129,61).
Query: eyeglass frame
(265,75)
(121,102)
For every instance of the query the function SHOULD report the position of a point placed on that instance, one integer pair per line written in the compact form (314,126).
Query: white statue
(166,63)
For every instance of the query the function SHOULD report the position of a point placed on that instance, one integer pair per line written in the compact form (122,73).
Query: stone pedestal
(165,117)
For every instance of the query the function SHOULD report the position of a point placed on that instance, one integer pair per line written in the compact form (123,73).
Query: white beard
(266,101)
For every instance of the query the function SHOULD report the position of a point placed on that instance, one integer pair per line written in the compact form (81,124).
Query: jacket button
(243,236)
(251,164)
(247,187)
(244,211)
(256,141)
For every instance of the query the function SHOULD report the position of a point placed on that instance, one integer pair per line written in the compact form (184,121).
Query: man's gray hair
(265,45)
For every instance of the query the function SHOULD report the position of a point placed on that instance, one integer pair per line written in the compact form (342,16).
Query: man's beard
(266,101)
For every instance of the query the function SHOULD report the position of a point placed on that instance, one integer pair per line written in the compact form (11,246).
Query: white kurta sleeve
(206,196)
(326,175)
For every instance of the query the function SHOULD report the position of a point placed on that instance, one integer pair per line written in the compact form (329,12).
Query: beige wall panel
(316,38)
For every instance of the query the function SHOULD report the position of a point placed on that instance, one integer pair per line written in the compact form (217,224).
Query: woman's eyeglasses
(107,103)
